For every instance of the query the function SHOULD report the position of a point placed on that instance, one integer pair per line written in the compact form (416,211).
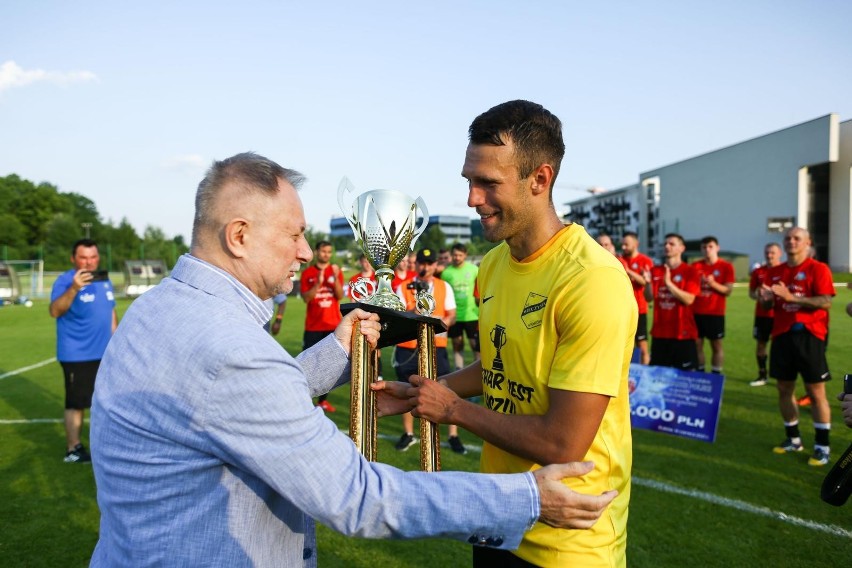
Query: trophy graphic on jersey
(498,339)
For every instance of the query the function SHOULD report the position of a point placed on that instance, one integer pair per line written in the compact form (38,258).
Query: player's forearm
(527,436)
(636,277)
(680,295)
(723,289)
(466,382)
(812,302)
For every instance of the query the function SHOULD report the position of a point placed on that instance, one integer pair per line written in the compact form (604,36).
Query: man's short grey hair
(252,173)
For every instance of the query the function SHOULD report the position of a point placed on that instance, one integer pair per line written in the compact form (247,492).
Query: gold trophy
(385,226)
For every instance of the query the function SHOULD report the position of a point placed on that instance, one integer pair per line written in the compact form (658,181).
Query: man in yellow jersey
(557,324)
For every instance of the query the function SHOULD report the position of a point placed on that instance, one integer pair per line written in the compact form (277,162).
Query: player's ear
(542,178)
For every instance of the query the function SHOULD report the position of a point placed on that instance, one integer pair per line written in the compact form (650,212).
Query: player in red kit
(673,287)
(637,265)
(762,316)
(717,283)
(800,290)
(321,288)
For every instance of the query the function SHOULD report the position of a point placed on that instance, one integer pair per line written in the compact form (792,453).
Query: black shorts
(798,353)
(486,557)
(79,383)
(405,362)
(711,327)
(762,328)
(677,353)
(470,328)
(311,338)
(642,328)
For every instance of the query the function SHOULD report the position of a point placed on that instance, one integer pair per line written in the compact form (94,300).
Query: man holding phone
(83,302)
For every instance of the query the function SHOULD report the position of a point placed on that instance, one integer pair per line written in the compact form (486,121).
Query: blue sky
(129,103)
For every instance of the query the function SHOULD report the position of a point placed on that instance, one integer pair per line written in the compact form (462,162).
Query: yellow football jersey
(563,318)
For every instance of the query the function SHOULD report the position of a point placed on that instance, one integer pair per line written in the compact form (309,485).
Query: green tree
(433,237)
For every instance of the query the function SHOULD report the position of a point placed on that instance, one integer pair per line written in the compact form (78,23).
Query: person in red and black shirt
(762,316)
(321,288)
(800,290)
(673,287)
(637,265)
(717,283)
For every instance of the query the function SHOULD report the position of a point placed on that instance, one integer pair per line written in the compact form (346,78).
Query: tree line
(39,222)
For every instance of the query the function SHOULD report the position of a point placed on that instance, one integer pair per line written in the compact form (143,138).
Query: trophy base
(397,326)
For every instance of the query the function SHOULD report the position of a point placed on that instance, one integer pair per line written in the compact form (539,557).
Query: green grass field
(731,503)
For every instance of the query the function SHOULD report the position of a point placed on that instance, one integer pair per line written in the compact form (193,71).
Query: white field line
(28,368)
(742,506)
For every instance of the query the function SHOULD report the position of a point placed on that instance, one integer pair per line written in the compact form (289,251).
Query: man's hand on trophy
(564,508)
(370,328)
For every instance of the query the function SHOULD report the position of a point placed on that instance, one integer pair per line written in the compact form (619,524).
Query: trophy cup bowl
(385,226)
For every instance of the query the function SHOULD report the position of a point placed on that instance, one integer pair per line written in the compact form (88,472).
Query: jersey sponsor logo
(87,298)
(533,310)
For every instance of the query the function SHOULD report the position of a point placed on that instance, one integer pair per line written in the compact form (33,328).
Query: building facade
(746,195)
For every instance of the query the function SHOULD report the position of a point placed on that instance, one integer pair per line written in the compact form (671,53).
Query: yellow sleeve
(596,324)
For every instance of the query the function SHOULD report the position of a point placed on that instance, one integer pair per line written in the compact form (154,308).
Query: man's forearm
(466,382)
(516,434)
(62,304)
(680,295)
(812,302)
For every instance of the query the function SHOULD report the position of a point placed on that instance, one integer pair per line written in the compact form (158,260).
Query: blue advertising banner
(682,403)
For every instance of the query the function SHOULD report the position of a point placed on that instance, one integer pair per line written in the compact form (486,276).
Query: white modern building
(746,194)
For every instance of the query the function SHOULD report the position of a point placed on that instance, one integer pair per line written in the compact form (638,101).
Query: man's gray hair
(251,172)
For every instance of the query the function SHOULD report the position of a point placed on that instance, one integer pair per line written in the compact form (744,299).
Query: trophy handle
(342,188)
(424,212)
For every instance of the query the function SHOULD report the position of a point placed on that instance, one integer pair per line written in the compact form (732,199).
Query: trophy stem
(427,366)
(385,296)
(362,404)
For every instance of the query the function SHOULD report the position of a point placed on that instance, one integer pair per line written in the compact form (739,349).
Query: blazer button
(473,539)
(498,541)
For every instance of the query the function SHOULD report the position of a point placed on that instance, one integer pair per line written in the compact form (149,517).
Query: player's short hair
(709,239)
(534,130)
(630,234)
(677,236)
(459,246)
(321,244)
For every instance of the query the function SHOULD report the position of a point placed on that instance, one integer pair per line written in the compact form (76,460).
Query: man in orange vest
(405,355)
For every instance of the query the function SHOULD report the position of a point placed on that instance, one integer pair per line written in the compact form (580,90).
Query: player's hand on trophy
(392,397)
(564,508)
(431,400)
(370,328)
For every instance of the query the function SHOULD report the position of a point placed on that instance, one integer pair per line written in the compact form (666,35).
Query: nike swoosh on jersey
(486,299)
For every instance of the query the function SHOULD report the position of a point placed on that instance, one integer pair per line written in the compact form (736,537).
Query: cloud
(185,163)
(12,75)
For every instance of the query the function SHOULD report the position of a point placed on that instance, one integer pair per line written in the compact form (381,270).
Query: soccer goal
(22,278)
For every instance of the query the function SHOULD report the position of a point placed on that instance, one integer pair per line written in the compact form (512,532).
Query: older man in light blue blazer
(206,446)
